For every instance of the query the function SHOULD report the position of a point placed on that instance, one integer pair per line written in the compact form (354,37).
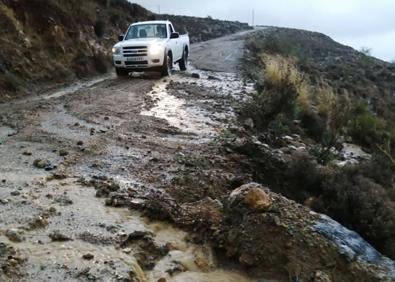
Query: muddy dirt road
(70,158)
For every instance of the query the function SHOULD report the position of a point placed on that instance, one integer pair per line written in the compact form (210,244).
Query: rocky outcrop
(272,234)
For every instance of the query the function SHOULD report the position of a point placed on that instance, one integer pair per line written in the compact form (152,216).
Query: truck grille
(139,63)
(135,51)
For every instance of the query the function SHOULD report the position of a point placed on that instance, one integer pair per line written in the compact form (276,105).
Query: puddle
(193,119)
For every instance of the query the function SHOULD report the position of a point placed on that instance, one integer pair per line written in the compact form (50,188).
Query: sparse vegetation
(302,89)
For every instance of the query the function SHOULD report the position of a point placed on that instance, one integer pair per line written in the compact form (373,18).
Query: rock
(321,277)
(27,153)
(257,199)
(246,259)
(15,193)
(14,235)
(195,75)
(249,123)
(88,256)
(253,196)
(162,279)
(4,201)
(63,153)
(211,77)
(63,200)
(41,164)
(39,222)
(57,236)
(80,143)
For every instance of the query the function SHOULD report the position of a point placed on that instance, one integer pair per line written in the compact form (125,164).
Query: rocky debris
(104,186)
(4,201)
(63,153)
(10,263)
(58,236)
(80,143)
(206,211)
(88,256)
(41,164)
(27,153)
(15,193)
(212,77)
(267,230)
(63,200)
(116,199)
(251,195)
(15,235)
(39,222)
(195,75)
(144,248)
(95,239)
(44,164)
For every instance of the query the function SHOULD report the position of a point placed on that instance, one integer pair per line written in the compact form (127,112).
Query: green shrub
(100,27)
(365,128)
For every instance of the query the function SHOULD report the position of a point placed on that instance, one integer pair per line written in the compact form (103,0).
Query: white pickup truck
(150,46)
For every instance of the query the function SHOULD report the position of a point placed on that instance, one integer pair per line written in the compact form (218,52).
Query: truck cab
(150,46)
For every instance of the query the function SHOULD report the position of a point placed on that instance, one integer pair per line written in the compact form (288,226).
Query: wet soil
(74,160)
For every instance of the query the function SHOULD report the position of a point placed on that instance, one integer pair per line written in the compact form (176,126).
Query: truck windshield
(147,31)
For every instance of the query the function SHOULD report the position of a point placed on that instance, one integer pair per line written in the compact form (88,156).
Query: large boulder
(253,196)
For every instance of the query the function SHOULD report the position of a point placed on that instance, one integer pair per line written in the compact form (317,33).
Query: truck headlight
(116,50)
(155,50)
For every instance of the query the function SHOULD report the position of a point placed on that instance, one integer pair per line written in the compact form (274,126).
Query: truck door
(176,45)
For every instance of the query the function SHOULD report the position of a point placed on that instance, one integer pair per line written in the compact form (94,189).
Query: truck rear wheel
(184,61)
(121,72)
(167,68)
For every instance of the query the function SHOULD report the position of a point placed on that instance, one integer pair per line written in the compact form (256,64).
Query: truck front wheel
(121,72)
(167,68)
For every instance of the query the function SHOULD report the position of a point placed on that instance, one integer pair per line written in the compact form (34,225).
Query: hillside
(202,29)
(49,42)
(325,113)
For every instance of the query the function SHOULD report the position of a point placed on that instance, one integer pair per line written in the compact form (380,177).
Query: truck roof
(152,22)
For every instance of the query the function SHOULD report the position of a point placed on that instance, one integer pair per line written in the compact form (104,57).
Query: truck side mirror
(120,38)
(174,35)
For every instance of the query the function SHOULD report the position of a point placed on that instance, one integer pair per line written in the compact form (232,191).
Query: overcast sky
(358,23)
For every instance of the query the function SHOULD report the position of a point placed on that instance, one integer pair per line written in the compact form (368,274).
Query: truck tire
(121,72)
(184,61)
(167,68)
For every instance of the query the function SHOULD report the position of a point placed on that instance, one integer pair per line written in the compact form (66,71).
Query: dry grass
(280,70)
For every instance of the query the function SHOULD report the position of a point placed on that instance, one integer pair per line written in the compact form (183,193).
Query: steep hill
(45,42)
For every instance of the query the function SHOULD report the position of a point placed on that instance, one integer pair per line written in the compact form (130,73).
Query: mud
(104,142)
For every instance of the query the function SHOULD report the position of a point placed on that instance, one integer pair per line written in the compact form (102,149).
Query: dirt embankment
(45,43)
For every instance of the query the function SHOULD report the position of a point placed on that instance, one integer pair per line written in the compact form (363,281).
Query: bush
(365,128)
(100,27)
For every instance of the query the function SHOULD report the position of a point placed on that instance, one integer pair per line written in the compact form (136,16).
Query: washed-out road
(62,154)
